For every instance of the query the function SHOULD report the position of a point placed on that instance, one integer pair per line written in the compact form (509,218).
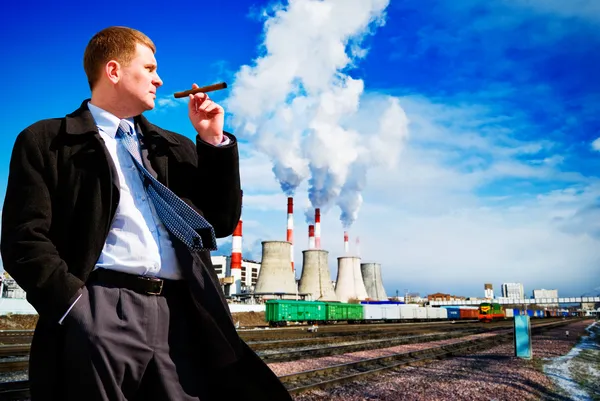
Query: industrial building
(537,294)
(488,291)
(513,290)
(545,293)
(438,296)
(232,282)
(10,289)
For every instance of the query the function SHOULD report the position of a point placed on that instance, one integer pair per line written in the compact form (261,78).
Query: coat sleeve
(218,193)
(28,253)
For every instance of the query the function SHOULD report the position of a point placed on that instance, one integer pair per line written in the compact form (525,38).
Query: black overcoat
(60,201)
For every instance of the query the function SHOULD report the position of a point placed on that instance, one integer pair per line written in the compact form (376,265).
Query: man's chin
(149,105)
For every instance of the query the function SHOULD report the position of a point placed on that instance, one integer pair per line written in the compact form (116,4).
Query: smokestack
(311,236)
(346,245)
(317,228)
(236,259)
(290,227)
(236,247)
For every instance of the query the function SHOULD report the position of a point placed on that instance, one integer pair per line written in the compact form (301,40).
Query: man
(107,224)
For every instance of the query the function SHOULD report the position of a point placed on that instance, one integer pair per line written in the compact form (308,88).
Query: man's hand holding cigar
(206,116)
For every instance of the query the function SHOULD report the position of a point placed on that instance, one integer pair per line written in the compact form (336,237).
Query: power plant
(277,276)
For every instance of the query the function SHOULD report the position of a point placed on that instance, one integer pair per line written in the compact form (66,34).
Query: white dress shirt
(138,242)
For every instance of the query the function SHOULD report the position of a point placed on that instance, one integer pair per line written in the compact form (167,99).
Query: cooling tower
(275,273)
(371,274)
(359,284)
(346,284)
(316,277)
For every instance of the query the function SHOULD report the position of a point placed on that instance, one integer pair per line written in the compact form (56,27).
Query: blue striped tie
(179,218)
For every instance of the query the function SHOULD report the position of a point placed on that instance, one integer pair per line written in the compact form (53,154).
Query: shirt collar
(107,122)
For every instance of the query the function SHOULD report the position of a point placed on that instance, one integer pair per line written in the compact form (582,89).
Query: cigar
(204,89)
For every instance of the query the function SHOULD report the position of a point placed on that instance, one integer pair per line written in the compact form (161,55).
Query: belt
(141,284)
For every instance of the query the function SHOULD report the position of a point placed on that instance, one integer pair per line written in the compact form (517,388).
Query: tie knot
(124,128)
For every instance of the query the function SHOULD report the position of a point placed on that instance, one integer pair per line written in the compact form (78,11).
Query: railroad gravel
(493,374)
(286,368)
(14,376)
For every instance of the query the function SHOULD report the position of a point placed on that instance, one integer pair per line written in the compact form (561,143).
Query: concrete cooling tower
(371,274)
(359,284)
(316,277)
(349,282)
(275,273)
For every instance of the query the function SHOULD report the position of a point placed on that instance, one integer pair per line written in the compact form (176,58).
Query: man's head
(121,70)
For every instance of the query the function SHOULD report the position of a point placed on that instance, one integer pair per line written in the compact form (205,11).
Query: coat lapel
(85,143)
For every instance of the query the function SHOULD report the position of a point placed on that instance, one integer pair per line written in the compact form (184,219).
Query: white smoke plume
(298,104)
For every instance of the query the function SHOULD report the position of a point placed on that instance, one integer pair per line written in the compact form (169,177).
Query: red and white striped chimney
(290,227)
(236,247)
(318,228)
(311,236)
(235,268)
(346,245)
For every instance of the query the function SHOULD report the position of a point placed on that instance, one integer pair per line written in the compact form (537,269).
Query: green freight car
(337,312)
(278,312)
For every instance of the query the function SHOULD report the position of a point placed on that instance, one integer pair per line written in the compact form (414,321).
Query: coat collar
(81,121)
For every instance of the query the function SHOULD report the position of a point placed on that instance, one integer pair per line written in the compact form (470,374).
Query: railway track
(321,345)
(14,365)
(290,350)
(15,336)
(339,374)
(14,350)
(271,356)
(25,336)
(343,337)
(344,373)
(349,330)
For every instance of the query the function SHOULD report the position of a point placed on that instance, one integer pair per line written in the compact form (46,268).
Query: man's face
(140,80)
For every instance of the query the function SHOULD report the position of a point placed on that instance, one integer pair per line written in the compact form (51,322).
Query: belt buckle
(155,280)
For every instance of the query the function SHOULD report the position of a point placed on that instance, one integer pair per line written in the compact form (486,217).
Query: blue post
(523,337)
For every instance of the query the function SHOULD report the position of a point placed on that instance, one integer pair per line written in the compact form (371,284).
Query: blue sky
(455,138)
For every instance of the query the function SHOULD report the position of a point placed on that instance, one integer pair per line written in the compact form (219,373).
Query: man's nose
(157,81)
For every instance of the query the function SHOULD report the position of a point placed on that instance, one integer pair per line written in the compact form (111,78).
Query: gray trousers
(121,345)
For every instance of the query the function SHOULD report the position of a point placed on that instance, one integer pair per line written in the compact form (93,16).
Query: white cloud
(596,145)
(431,230)
(298,103)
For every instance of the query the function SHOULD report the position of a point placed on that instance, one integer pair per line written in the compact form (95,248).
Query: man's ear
(113,71)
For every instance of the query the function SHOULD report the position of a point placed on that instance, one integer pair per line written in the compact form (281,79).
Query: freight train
(281,312)
(489,311)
